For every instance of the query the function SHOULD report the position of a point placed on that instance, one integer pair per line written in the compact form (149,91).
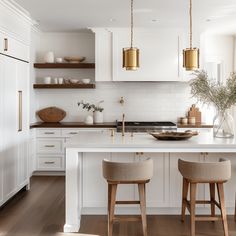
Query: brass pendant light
(131,55)
(191,55)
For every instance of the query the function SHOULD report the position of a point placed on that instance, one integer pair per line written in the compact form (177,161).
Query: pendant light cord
(132,22)
(191,24)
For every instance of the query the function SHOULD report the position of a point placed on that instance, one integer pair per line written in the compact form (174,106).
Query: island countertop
(98,141)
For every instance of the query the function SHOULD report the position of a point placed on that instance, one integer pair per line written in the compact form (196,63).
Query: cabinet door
(10,128)
(229,187)
(157,189)
(176,178)
(159,55)
(103,54)
(16,49)
(94,185)
(1,127)
(22,120)
(2,44)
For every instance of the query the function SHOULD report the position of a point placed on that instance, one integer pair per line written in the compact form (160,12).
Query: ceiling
(73,15)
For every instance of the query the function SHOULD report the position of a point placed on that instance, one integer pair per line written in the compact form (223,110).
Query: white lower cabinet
(94,185)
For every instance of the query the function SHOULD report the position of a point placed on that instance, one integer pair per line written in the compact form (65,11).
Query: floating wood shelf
(64,65)
(64,86)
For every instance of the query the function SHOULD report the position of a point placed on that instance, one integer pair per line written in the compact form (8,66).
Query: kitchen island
(86,190)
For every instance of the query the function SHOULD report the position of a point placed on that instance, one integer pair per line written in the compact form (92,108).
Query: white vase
(98,117)
(49,57)
(88,120)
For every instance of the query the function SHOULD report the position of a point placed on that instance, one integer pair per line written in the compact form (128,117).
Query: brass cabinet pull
(73,133)
(20,111)
(5,45)
(49,133)
(49,162)
(50,146)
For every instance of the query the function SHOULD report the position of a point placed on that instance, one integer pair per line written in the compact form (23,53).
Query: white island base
(86,190)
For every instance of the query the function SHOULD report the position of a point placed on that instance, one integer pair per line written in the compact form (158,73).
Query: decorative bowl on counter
(74,59)
(174,136)
(51,114)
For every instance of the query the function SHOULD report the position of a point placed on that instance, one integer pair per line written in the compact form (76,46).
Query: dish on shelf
(86,81)
(74,59)
(173,136)
(74,81)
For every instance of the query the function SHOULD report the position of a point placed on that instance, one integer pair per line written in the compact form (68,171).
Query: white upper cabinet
(160,55)
(103,54)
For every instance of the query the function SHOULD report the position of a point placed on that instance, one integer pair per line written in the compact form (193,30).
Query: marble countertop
(102,141)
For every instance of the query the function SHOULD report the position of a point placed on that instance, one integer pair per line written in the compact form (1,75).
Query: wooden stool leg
(142,197)
(212,197)
(220,189)
(193,188)
(111,208)
(184,198)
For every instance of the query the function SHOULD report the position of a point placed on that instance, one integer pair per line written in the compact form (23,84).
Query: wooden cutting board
(194,112)
(51,114)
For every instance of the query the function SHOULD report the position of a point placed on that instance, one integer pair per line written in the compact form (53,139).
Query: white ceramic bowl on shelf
(86,81)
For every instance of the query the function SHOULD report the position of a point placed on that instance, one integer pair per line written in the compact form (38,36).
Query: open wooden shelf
(64,65)
(64,86)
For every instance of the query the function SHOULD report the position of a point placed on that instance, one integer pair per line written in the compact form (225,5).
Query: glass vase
(223,125)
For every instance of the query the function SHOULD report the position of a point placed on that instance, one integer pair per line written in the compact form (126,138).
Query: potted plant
(96,109)
(223,97)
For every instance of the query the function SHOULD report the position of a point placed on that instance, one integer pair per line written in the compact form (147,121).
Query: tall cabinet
(14,100)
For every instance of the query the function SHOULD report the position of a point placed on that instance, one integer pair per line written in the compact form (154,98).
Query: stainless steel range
(135,126)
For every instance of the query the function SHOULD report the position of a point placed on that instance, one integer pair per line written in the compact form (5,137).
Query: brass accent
(49,162)
(20,111)
(50,146)
(49,133)
(123,125)
(131,58)
(191,55)
(5,44)
(191,58)
(122,101)
(112,132)
(131,54)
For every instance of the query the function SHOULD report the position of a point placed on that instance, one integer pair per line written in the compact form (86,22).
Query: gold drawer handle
(49,162)
(73,132)
(50,146)
(49,133)
(20,111)
(5,45)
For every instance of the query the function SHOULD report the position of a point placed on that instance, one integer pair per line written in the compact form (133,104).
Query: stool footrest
(127,202)
(207,218)
(127,218)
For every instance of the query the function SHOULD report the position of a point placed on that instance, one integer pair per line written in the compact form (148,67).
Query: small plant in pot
(96,109)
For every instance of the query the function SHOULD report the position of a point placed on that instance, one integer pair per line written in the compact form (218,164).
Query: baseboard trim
(49,173)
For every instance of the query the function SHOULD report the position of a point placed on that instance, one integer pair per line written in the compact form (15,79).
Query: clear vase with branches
(221,96)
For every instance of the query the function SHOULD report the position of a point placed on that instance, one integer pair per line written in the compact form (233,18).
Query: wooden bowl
(51,114)
(74,59)
(174,136)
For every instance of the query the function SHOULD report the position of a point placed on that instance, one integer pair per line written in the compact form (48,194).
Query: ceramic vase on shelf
(223,125)
(49,57)
(89,120)
(98,117)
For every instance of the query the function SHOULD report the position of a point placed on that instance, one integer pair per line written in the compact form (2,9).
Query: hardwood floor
(41,212)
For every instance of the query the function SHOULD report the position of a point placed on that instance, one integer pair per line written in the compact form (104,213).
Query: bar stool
(215,173)
(116,173)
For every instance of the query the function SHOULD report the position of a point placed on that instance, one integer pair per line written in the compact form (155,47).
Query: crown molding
(18,10)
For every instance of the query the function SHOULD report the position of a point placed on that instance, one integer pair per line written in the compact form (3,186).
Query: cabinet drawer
(50,146)
(50,163)
(69,132)
(48,133)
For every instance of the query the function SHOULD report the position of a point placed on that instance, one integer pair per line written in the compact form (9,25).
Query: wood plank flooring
(41,212)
